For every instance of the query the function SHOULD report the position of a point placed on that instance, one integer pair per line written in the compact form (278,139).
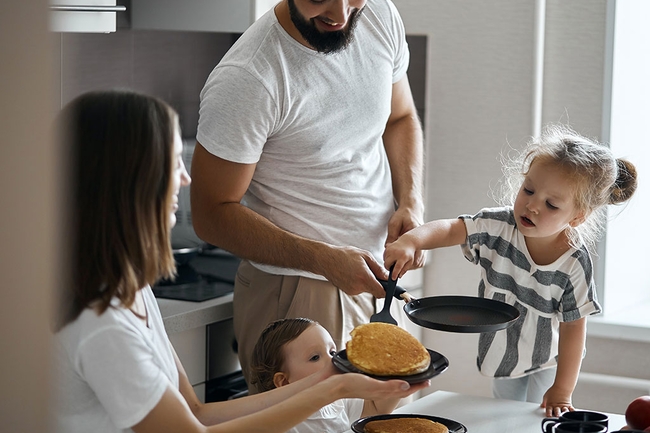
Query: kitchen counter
(487,415)
(179,316)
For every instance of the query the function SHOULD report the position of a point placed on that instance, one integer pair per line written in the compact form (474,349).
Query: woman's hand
(356,385)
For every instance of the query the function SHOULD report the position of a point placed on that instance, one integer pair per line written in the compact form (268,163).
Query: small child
(534,254)
(291,349)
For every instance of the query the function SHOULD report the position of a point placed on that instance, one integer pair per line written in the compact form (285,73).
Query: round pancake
(383,349)
(405,425)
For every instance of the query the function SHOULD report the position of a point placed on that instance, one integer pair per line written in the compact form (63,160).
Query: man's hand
(353,271)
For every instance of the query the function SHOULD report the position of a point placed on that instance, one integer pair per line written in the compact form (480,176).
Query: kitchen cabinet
(228,16)
(84,16)
(190,346)
(187,325)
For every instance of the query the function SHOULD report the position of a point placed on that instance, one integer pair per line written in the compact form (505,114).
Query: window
(626,279)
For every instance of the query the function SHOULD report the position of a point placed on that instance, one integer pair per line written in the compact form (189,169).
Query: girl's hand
(403,254)
(556,402)
(403,220)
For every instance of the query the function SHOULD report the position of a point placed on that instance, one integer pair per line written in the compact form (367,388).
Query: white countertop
(181,316)
(487,415)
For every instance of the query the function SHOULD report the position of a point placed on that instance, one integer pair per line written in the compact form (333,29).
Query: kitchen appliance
(210,274)
(183,234)
(224,379)
(203,271)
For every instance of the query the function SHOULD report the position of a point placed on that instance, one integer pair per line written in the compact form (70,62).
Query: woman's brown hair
(121,156)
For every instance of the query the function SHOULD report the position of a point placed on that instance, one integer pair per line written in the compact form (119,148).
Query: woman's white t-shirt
(111,369)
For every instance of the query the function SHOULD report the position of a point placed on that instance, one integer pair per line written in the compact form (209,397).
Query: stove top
(209,275)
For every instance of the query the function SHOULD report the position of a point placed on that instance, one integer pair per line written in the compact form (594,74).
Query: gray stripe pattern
(542,294)
(543,338)
(525,294)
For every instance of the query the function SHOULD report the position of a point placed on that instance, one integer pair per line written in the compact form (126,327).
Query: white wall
(480,89)
(28,219)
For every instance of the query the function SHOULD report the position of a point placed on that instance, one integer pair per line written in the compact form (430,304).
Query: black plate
(438,364)
(453,426)
(461,313)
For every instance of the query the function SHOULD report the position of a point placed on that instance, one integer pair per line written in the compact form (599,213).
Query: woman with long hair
(116,368)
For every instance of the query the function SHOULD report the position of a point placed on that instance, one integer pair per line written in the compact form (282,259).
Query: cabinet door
(190,346)
(84,16)
(228,16)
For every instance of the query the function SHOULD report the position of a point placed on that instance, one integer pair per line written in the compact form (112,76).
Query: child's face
(308,353)
(545,204)
(180,177)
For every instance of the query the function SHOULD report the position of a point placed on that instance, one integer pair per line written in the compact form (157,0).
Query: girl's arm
(571,347)
(433,234)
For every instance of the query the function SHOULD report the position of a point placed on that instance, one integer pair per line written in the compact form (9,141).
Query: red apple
(637,414)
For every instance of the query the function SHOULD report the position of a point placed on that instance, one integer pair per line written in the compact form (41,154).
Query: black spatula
(384,315)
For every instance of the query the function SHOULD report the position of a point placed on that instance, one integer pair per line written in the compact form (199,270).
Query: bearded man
(308,161)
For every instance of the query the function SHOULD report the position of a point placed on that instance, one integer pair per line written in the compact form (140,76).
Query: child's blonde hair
(597,177)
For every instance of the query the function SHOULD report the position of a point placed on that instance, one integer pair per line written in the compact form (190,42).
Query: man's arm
(403,141)
(218,217)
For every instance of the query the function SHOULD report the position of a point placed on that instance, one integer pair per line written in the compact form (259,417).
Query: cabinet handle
(88,8)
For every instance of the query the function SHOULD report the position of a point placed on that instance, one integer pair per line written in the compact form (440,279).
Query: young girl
(116,368)
(535,255)
(291,349)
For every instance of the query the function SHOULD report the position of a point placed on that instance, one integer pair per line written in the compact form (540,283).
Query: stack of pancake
(382,349)
(405,425)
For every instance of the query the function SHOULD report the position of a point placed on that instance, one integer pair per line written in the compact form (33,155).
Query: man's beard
(323,42)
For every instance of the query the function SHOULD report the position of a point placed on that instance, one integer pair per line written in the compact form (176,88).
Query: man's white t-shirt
(313,125)
(111,369)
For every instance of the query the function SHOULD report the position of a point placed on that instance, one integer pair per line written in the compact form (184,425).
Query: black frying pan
(183,255)
(464,314)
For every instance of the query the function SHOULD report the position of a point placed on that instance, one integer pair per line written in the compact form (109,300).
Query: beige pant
(261,298)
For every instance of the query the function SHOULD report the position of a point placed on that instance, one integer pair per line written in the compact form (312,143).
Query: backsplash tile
(171,65)
(95,61)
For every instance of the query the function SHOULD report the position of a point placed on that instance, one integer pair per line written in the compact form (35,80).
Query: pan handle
(400,292)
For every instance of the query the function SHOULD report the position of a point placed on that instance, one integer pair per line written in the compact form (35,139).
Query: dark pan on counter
(453,426)
(438,364)
(463,314)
